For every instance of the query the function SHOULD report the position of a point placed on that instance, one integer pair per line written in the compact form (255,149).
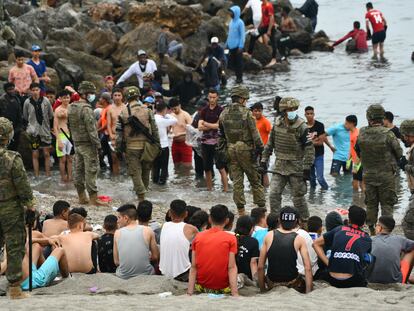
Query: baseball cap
(289,217)
(157,94)
(107,78)
(214,40)
(141,52)
(35,47)
(149,99)
(107,97)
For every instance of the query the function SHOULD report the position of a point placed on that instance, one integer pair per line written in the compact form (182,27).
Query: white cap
(141,52)
(214,40)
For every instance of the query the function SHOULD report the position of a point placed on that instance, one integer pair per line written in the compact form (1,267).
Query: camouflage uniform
(15,194)
(407,128)
(379,151)
(134,143)
(238,131)
(83,131)
(294,155)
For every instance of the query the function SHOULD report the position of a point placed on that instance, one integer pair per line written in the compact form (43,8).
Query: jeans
(175,48)
(236,63)
(160,166)
(317,173)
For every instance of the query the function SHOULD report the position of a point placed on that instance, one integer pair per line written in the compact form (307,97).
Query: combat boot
(15,292)
(83,199)
(93,200)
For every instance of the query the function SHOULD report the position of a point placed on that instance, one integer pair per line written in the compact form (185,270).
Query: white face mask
(91,97)
(291,115)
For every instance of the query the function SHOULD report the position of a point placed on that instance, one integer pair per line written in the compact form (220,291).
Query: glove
(306,175)
(402,163)
(263,168)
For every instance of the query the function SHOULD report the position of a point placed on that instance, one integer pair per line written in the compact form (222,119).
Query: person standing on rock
(240,140)
(379,29)
(235,42)
(39,66)
(168,48)
(379,151)
(15,195)
(81,122)
(134,140)
(407,130)
(139,68)
(295,156)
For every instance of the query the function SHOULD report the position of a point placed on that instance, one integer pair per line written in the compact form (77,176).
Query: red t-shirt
(376,19)
(212,248)
(267,12)
(359,35)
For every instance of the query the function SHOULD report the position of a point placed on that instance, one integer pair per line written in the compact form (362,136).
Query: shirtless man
(63,144)
(59,222)
(78,245)
(181,152)
(287,26)
(112,117)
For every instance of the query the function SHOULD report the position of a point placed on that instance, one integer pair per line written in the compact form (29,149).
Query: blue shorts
(44,275)
(337,165)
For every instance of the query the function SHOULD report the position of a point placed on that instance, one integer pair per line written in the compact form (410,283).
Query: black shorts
(358,176)
(378,37)
(209,158)
(354,281)
(37,143)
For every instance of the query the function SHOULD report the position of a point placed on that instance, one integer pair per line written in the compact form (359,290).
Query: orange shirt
(354,136)
(264,127)
(104,121)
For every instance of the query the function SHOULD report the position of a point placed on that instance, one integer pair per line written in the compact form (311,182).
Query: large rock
(213,6)
(251,64)
(321,44)
(16,9)
(181,19)
(176,70)
(101,42)
(303,23)
(68,71)
(54,79)
(66,37)
(107,11)
(26,35)
(302,40)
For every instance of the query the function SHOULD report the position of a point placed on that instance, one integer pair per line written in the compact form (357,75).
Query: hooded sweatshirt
(236,37)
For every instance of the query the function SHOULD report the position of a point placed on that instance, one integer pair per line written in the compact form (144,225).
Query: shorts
(354,281)
(201,289)
(209,156)
(378,37)
(358,176)
(44,275)
(181,152)
(337,165)
(67,146)
(36,143)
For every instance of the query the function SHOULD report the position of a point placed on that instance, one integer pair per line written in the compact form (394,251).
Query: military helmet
(131,91)
(6,130)
(240,91)
(288,103)
(375,112)
(407,127)
(86,87)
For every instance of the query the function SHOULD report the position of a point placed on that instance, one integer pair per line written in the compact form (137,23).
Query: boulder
(95,79)
(251,64)
(262,52)
(279,4)
(26,35)
(66,37)
(321,44)
(16,9)
(176,70)
(302,40)
(107,11)
(320,34)
(101,42)
(213,6)
(303,23)
(49,58)
(279,67)
(4,70)
(54,79)
(68,71)
(4,50)
(295,53)
(181,19)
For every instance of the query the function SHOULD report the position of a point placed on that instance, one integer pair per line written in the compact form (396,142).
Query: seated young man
(144,216)
(258,215)
(84,213)
(280,249)
(79,246)
(106,245)
(176,237)
(133,244)
(59,222)
(348,245)
(213,268)
(390,266)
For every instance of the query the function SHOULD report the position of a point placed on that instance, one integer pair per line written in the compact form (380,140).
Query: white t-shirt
(256,6)
(163,122)
(135,69)
(311,251)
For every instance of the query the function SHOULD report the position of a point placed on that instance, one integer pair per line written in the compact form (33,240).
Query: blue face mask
(291,115)
(91,98)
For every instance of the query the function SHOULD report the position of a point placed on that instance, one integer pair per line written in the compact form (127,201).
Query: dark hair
(357,215)
(309,108)
(244,225)
(213,91)
(357,25)
(174,102)
(64,93)
(389,116)
(352,119)
(286,9)
(50,90)
(191,210)
(314,224)
(128,210)
(387,222)
(369,5)
(178,207)
(79,210)
(59,207)
(8,85)
(159,107)
(34,85)
(272,220)
(276,103)
(257,105)
(219,213)
(199,219)
(257,214)
(19,53)
(144,211)
(110,223)
(229,225)
(164,26)
(117,89)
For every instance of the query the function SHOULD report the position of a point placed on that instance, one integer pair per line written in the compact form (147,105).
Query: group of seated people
(200,248)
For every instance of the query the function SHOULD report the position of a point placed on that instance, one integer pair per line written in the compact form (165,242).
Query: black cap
(289,217)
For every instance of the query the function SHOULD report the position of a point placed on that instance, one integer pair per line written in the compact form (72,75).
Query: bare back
(53,227)
(78,247)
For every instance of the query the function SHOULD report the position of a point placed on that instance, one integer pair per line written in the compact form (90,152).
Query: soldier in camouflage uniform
(379,151)
(15,195)
(134,142)
(407,130)
(238,131)
(81,122)
(295,155)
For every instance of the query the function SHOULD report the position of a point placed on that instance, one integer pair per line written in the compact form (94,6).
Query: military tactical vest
(78,128)
(375,152)
(287,140)
(7,188)
(234,120)
(142,114)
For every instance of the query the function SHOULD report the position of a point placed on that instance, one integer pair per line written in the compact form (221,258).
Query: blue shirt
(342,141)
(40,69)
(259,235)
(237,35)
